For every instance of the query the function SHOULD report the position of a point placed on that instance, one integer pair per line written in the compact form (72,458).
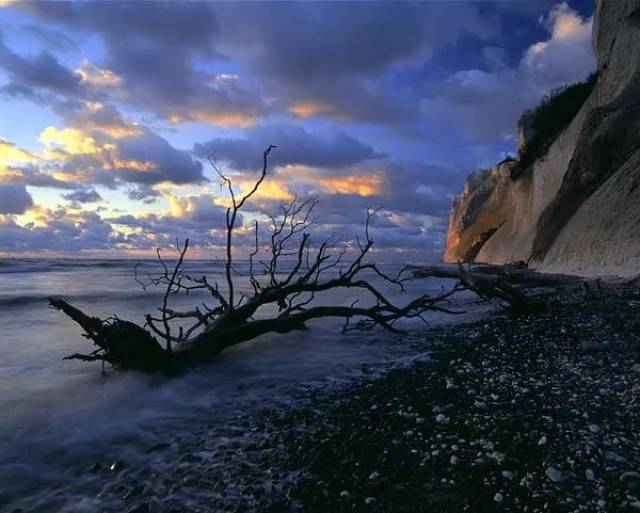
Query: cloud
(168,163)
(331,61)
(55,230)
(484,105)
(196,217)
(33,176)
(295,146)
(14,198)
(567,56)
(319,66)
(50,38)
(96,116)
(142,158)
(94,76)
(10,153)
(425,82)
(152,50)
(81,196)
(41,71)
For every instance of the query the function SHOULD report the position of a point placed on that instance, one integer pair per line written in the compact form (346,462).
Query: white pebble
(498,497)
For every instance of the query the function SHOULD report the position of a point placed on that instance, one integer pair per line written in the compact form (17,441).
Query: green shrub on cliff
(552,115)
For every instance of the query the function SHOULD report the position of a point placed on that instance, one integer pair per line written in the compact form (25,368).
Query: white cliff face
(577,208)
(530,195)
(603,237)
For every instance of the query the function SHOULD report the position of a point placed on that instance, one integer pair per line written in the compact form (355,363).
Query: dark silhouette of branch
(293,275)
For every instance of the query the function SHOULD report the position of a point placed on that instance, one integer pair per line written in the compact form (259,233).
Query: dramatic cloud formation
(295,146)
(14,198)
(112,109)
(486,103)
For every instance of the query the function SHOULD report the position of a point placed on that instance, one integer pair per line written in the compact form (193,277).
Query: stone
(614,456)
(629,476)
(554,474)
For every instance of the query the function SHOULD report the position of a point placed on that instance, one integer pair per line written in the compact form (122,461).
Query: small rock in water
(554,474)
(374,475)
(453,460)
(508,475)
(543,440)
(369,500)
(589,475)
(442,418)
(344,493)
(498,497)
(594,428)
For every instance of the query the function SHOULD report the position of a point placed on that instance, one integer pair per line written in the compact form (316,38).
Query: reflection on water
(60,416)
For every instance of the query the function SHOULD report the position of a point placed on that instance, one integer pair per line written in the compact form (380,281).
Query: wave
(21,300)
(65,265)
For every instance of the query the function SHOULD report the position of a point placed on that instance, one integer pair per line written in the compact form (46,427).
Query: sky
(109,112)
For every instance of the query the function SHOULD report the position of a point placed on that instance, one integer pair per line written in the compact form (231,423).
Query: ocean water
(59,417)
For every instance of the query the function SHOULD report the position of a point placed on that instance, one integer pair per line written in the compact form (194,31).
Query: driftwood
(173,340)
(486,285)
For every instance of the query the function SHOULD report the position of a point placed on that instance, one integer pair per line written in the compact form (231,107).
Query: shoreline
(529,413)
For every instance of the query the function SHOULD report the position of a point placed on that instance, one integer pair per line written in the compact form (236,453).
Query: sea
(59,417)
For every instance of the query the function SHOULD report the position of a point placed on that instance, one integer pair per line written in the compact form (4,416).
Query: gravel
(534,413)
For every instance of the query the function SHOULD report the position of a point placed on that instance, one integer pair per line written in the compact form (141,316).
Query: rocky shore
(533,413)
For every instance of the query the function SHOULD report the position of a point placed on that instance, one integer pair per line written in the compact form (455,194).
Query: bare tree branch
(293,276)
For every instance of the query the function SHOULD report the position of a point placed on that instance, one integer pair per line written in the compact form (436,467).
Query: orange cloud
(361,185)
(226,119)
(271,189)
(144,166)
(309,109)
(567,23)
(117,130)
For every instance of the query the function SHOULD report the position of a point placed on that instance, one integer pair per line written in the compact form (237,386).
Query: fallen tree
(174,339)
(501,283)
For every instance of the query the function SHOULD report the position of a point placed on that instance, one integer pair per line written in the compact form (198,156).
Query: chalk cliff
(572,205)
